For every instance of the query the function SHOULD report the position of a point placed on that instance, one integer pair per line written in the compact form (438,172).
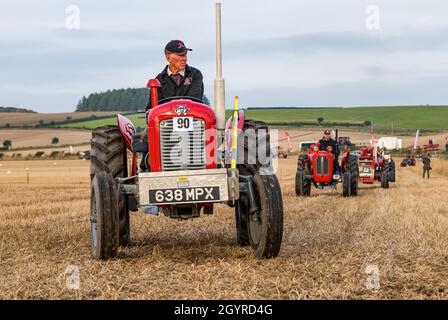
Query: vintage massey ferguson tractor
(374,165)
(317,168)
(191,160)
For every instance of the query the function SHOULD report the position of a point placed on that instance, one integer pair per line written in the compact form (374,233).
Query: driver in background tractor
(178,78)
(329,144)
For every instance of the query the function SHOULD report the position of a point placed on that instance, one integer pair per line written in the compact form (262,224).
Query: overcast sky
(276,53)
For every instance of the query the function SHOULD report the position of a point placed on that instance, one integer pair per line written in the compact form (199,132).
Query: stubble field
(329,241)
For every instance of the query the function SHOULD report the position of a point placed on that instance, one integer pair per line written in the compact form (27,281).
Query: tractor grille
(322,165)
(182,150)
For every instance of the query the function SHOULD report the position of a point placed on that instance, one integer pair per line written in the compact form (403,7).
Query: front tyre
(109,154)
(104,217)
(265,225)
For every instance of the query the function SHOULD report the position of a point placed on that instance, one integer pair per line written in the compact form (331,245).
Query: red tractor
(317,168)
(183,175)
(191,160)
(408,161)
(373,165)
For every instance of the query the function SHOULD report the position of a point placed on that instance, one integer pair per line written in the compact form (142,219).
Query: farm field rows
(30,138)
(329,241)
(20,118)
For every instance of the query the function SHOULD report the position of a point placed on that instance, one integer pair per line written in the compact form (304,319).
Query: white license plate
(183,124)
(196,194)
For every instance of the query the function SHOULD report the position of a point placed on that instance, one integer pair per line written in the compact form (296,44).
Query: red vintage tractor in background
(374,165)
(408,161)
(317,168)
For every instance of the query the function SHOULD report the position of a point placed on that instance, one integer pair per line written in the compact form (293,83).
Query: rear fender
(127,129)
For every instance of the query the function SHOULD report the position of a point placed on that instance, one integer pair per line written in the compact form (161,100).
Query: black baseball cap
(176,46)
(327,132)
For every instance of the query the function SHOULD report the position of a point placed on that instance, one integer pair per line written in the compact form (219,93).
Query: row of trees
(14,109)
(115,100)
(130,99)
(367,123)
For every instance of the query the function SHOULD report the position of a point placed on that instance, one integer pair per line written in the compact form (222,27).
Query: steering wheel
(180,97)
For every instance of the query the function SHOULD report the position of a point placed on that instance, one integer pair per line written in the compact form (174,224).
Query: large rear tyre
(104,219)
(266,225)
(385,176)
(352,167)
(262,229)
(392,171)
(346,179)
(303,184)
(108,154)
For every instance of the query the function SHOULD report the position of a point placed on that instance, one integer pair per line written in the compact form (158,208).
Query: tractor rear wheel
(385,176)
(392,171)
(108,154)
(303,184)
(352,167)
(104,217)
(346,179)
(263,228)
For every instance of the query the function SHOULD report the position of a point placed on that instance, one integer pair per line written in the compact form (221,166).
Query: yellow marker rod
(234,132)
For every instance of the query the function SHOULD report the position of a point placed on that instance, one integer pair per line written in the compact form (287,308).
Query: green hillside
(403,117)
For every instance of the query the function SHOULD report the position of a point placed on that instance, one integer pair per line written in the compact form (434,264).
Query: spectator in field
(426,165)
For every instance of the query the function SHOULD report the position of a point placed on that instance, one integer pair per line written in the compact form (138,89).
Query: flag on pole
(288,138)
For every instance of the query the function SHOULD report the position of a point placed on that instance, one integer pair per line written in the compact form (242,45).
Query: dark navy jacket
(190,85)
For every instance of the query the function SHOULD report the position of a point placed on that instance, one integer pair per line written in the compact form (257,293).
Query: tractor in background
(317,168)
(375,166)
(408,161)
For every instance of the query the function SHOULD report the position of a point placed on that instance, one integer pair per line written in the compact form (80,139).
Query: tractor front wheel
(265,225)
(109,154)
(104,216)
(259,214)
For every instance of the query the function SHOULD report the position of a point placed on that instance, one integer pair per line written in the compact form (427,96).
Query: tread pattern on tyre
(352,167)
(385,176)
(108,154)
(303,185)
(244,168)
(392,171)
(269,195)
(104,192)
(272,228)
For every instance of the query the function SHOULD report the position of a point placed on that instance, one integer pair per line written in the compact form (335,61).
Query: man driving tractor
(329,144)
(178,78)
